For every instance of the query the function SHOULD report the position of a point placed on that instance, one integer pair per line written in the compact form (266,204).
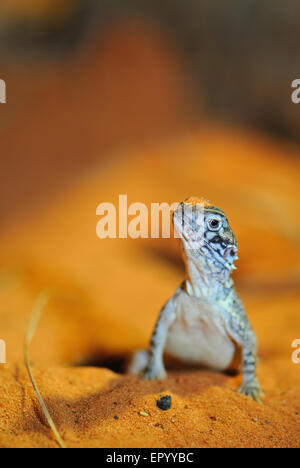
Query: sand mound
(108,294)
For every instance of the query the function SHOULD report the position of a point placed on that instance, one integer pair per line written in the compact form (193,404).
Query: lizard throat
(206,277)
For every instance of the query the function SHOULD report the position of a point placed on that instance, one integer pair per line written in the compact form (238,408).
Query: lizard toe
(253,391)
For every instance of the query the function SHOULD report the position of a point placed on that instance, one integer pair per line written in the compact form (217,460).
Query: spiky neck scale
(206,278)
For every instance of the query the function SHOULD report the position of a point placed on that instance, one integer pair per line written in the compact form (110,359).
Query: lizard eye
(214,224)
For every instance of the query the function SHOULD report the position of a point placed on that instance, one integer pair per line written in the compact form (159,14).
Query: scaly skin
(204,321)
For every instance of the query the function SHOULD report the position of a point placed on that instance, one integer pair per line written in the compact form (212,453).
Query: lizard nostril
(230,252)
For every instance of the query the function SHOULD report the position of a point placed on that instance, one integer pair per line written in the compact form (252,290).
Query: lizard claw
(154,374)
(252,390)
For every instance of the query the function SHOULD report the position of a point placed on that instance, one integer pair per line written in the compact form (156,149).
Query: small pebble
(116,417)
(143,413)
(159,425)
(164,403)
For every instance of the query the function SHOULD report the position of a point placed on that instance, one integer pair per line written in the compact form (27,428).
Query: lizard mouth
(226,259)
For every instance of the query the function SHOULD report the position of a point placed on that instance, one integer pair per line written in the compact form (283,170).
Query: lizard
(204,322)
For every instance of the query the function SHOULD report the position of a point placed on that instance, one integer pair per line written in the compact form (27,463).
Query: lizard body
(204,322)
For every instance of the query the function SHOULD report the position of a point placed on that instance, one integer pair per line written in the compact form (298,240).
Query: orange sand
(205,412)
(113,289)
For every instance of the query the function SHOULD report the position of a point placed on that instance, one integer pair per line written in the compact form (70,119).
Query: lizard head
(205,232)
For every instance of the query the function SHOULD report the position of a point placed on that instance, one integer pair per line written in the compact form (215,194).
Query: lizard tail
(139,363)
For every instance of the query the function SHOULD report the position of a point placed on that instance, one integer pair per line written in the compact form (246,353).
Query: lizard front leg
(156,368)
(241,331)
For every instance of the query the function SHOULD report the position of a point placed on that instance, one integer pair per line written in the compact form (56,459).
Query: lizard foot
(252,389)
(155,374)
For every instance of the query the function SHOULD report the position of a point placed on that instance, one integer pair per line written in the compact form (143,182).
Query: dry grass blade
(40,304)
